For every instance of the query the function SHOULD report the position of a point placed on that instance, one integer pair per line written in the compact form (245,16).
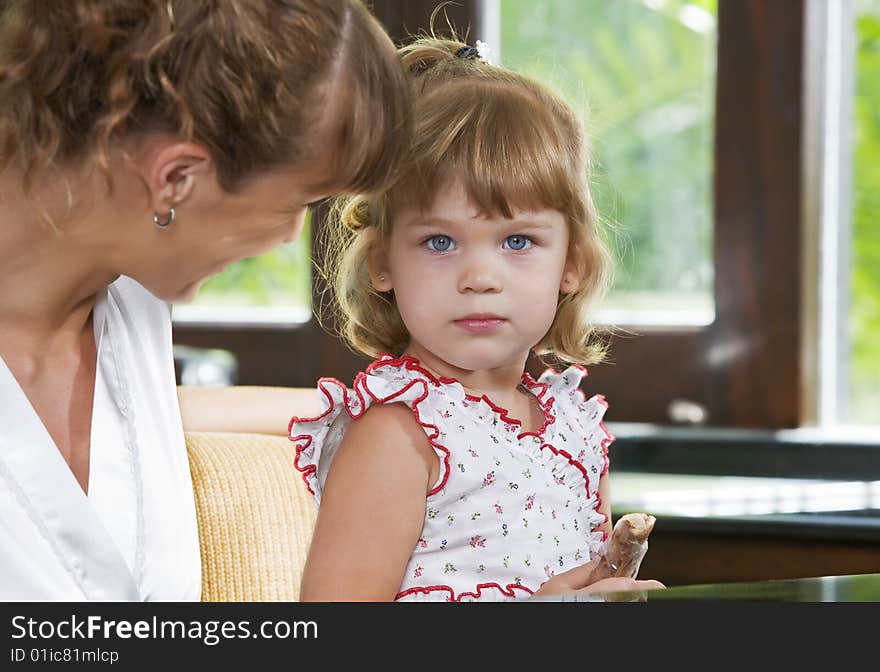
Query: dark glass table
(848,588)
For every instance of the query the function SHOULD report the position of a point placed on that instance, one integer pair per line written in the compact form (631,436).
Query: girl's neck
(499,383)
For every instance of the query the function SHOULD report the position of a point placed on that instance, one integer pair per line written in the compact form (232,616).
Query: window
(642,74)
(842,263)
(741,368)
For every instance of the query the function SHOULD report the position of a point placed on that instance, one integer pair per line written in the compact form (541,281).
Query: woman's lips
(480,324)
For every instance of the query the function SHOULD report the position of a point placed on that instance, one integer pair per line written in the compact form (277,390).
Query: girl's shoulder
(387,381)
(388,400)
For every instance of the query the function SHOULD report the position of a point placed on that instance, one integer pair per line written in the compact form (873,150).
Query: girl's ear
(571,277)
(377,262)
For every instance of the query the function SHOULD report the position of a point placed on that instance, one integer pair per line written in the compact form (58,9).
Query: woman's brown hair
(513,144)
(248,80)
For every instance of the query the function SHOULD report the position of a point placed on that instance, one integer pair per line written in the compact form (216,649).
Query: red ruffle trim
(424,590)
(303,441)
(607,441)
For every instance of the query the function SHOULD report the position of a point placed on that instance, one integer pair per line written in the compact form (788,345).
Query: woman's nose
(296,227)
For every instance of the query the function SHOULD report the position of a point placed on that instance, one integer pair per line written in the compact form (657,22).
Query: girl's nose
(479,276)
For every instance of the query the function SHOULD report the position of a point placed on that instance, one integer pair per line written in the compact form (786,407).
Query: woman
(144,146)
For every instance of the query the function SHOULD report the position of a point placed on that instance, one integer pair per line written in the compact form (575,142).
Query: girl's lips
(481,325)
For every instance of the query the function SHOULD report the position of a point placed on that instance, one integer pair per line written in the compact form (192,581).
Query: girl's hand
(616,584)
(574,582)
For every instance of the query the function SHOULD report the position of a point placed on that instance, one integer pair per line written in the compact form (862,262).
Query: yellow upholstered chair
(255,516)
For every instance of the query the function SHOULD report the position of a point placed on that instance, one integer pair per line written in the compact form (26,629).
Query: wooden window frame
(744,369)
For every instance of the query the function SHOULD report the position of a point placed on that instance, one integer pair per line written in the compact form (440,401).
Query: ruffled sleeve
(578,435)
(579,416)
(582,420)
(387,380)
(577,438)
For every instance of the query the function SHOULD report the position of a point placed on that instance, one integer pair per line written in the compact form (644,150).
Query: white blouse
(134,537)
(510,508)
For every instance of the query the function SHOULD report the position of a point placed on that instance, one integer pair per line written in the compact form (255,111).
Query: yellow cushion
(255,516)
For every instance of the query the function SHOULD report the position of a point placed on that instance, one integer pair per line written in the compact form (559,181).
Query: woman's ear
(377,261)
(172,172)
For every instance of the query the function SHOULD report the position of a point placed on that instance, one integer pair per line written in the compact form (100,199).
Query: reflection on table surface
(785,508)
(847,588)
(736,496)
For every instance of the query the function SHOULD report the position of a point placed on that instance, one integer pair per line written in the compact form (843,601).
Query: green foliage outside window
(643,75)
(865,278)
(643,72)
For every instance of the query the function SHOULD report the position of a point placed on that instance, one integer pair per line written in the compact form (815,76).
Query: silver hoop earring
(167,222)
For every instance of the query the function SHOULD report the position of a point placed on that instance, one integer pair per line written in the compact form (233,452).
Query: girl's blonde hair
(514,145)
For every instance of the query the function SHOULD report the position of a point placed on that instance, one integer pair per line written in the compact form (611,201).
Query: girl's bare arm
(372,509)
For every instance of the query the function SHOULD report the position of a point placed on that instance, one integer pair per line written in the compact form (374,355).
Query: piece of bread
(626,548)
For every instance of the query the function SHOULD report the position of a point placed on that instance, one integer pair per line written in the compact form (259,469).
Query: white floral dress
(510,508)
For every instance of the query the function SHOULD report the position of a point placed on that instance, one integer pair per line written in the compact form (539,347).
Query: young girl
(447,473)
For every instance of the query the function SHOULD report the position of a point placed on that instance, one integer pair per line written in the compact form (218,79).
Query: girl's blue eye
(440,243)
(517,242)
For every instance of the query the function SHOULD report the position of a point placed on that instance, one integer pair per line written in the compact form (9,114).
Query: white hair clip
(480,52)
(484,51)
